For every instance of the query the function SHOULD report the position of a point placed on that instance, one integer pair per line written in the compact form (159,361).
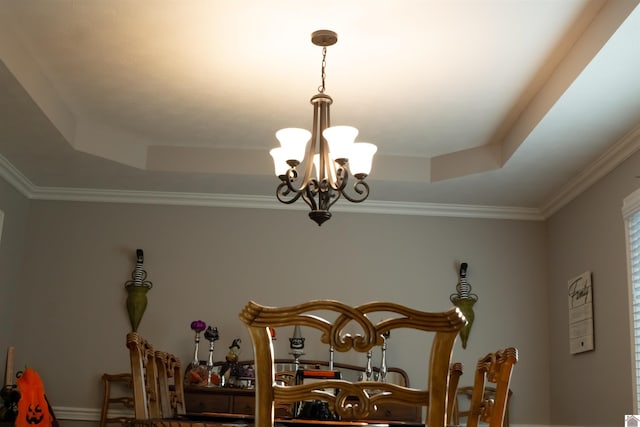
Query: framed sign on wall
(580,292)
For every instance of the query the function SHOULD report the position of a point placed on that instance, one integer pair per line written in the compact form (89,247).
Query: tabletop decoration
(231,371)
(464,300)
(196,374)
(383,362)
(296,344)
(248,378)
(212,335)
(368,370)
(332,350)
(137,292)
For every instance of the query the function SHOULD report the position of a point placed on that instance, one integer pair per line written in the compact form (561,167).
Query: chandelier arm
(322,201)
(290,178)
(342,177)
(322,121)
(312,190)
(334,196)
(360,187)
(313,144)
(332,189)
(324,196)
(320,109)
(285,195)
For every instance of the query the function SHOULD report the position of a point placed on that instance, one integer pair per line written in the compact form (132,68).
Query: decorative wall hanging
(464,300)
(580,290)
(137,292)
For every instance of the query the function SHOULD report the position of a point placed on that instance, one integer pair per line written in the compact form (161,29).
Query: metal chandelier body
(332,153)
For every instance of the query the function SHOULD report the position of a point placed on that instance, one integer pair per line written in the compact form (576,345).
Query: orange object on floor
(33,407)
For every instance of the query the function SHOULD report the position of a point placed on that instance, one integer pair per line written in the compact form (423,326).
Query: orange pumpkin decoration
(33,408)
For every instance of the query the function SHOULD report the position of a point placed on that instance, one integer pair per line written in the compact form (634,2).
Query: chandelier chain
(324,66)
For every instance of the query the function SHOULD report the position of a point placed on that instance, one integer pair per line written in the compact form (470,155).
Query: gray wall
(206,263)
(593,388)
(13,242)
(63,266)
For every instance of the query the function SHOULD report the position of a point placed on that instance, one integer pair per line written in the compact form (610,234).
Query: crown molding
(21,183)
(265,202)
(15,178)
(608,161)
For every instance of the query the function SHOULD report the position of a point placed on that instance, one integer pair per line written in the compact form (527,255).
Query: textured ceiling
(479,103)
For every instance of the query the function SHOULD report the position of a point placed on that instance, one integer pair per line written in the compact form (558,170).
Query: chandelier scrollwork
(332,153)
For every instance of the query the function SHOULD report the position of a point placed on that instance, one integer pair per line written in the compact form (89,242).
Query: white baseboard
(85,414)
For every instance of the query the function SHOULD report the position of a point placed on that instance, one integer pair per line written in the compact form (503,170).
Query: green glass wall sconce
(464,300)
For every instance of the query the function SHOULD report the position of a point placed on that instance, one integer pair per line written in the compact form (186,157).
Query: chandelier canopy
(332,153)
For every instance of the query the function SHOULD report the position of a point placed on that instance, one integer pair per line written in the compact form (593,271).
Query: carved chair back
(170,384)
(490,394)
(463,400)
(158,387)
(455,372)
(144,377)
(352,400)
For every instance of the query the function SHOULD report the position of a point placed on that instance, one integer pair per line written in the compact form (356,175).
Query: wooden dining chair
(112,400)
(144,378)
(463,400)
(157,381)
(170,385)
(455,372)
(352,400)
(491,393)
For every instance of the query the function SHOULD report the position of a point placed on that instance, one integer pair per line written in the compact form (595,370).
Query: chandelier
(333,155)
